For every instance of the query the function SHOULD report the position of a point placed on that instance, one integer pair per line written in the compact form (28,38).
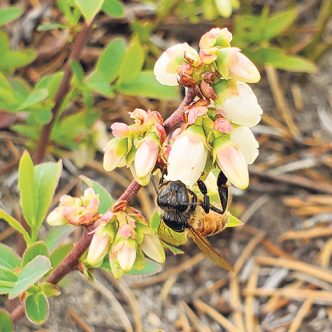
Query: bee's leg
(206,199)
(222,190)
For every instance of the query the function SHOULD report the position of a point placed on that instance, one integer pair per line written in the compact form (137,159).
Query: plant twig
(71,260)
(77,48)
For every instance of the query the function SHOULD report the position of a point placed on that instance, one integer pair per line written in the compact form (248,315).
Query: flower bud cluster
(216,132)
(126,237)
(136,146)
(76,210)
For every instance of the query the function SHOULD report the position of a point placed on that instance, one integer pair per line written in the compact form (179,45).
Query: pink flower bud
(127,254)
(139,115)
(223,125)
(120,129)
(241,106)
(194,112)
(215,37)
(208,56)
(232,162)
(238,65)
(115,153)
(90,200)
(166,67)
(188,156)
(152,248)
(99,247)
(56,218)
(146,157)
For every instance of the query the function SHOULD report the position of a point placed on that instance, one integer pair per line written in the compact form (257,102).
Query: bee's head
(173,195)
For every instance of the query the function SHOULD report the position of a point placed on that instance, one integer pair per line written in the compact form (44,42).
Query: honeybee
(186,215)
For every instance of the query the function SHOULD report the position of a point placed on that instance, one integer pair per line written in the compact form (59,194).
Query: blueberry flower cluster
(216,131)
(136,146)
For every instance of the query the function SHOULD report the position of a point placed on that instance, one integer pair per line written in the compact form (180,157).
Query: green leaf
(16,225)
(97,83)
(174,250)
(59,254)
(150,267)
(155,221)
(57,235)
(146,85)
(36,249)
(10,14)
(105,198)
(8,258)
(30,274)
(110,59)
(37,308)
(12,60)
(34,98)
(78,72)
(233,221)
(47,177)
(132,62)
(113,8)
(6,323)
(51,83)
(26,186)
(279,59)
(50,289)
(8,279)
(278,23)
(88,8)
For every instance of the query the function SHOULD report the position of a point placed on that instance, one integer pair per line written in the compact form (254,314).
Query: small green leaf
(8,279)
(16,225)
(34,250)
(50,289)
(6,323)
(78,72)
(110,59)
(57,235)
(37,308)
(105,199)
(12,60)
(26,185)
(150,267)
(10,14)
(278,22)
(174,250)
(232,221)
(146,85)
(51,83)
(47,177)
(155,221)
(59,254)
(50,26)
(34,98)
(30,274)
(97,83)
(132,62)
(88,8)
(8,258)
(277,58)
(113,8)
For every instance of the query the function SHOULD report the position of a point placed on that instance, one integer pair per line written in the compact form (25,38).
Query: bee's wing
(208,251)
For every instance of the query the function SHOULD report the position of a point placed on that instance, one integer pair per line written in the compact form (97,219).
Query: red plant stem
(75,54)
(72,259)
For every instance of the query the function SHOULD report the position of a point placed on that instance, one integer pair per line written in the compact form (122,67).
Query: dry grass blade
(79,321)
(325,254)
(6,233)
(250,318)
(223,321)
(182,323)
(236,302)
(165,275)
(97,285)
(313,270)
(303,311)
(319,297)
(247,251)
(194,319)
(275,250)
(280,100)
(127,293)
(306,234)
(167,287)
